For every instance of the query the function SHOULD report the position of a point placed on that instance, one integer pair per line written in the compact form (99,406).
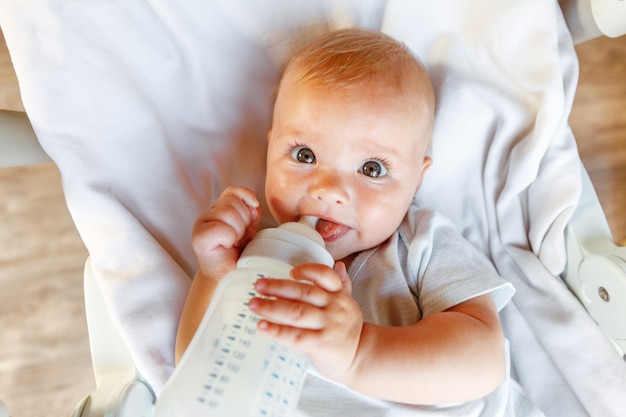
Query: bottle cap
(293,243)
(305,227)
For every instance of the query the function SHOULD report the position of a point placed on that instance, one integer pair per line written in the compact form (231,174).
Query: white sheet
(150,108)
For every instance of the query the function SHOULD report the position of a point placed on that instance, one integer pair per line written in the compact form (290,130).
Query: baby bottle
(229,369)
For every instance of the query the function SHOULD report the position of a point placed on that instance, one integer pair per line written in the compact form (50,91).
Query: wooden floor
(599,123)
(45,365)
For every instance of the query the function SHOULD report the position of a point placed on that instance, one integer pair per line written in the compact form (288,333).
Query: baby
(407,320)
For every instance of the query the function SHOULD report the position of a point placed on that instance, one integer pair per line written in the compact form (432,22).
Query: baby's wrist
(215,267)
(353,375)
(209,276)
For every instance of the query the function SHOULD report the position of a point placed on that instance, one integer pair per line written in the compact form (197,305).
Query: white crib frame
(595,272)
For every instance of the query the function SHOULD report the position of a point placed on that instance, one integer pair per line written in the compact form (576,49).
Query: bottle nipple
(305,227)
(309,220)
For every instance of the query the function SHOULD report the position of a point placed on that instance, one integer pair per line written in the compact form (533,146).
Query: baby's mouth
(331,231)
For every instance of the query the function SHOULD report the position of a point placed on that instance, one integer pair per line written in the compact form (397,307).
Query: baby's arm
(453,356)
(218,236)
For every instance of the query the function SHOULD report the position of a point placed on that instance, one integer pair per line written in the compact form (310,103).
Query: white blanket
(150,108)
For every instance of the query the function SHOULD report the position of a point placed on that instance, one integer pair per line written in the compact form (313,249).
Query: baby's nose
(329,188)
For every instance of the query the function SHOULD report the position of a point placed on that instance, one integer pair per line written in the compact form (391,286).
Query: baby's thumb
(340,269)
(255,220)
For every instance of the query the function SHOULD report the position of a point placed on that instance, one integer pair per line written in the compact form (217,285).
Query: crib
(573,241)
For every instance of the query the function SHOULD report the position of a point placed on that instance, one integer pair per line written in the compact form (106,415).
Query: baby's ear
(426,163)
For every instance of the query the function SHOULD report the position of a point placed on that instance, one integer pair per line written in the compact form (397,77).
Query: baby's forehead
(411,89)
(402,112)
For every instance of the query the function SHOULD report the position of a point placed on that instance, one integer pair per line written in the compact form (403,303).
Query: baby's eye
(373,169)
(303,154)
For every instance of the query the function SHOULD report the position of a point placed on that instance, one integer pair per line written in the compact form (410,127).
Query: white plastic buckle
(596,267)
(610,16)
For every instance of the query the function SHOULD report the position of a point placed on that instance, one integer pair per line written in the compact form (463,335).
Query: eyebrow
(382,150)
(290,131)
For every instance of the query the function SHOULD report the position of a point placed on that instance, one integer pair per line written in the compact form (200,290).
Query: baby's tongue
(330,230)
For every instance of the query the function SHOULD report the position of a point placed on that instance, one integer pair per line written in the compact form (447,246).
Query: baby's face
(353,158)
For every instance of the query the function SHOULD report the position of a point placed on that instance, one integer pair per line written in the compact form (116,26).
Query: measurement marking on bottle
(233,345)
(230,344)
(281,382)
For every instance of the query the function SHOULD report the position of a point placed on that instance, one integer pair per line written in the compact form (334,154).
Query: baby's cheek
(384,220)
(280,209)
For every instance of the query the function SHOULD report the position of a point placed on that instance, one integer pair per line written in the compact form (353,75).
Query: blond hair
(362,58)
(354,57)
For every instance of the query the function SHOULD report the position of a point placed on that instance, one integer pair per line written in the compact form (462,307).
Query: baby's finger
(234,205)
(210,236)
(292,337)
(229,223)
(222,225)
(234,212)
(289,313)
(340,269)
(319,274)
(251,229)
(242,193)
(293,290)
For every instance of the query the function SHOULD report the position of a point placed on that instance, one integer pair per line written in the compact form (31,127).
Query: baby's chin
(340,254)
(347,250)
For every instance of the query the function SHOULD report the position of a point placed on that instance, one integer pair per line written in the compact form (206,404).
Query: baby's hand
(315,314)
(223,230)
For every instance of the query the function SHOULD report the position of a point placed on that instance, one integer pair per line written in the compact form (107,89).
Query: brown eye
(303,154)
(373,169)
